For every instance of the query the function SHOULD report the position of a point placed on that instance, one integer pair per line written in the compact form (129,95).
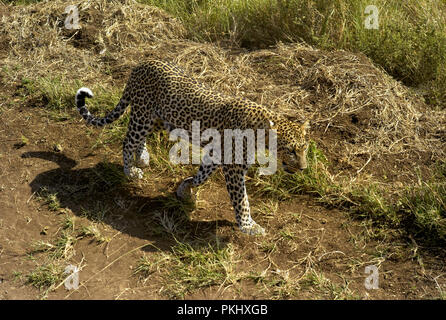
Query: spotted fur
(160,92)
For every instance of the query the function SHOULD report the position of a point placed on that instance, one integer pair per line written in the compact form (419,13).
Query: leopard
(163,96)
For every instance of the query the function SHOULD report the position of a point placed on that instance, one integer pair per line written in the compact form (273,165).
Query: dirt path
(309,252)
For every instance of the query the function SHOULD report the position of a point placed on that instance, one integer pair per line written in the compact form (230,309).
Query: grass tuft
(420,210)
(189,267)
(45,276)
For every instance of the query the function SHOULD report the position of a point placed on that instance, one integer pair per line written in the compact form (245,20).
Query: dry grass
(410,43)
(369,132)
(344,95)
(370,127)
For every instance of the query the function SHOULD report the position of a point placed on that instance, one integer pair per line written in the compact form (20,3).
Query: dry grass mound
(37,36)
(361,114)
(365,121)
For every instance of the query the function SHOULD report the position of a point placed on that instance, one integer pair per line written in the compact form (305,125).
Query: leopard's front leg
(184,189)
(235,183)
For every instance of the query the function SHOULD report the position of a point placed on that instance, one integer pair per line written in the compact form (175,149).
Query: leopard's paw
(134,173)
(184,191)
(143,160)
(253,229)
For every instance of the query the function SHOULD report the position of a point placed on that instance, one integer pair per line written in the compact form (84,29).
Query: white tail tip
(85,91)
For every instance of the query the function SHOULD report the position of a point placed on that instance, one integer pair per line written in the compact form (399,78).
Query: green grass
(188,267)
(419,210)
(315,281)
(277,284)
(45,276)
(56,95)
(315,180)
(49,198)
(426,204)
(93,231)
(106,176)
(61,248)
(56,253)
(410,43)
(97,214)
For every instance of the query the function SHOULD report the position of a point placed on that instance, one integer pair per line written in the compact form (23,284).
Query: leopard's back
(167,92)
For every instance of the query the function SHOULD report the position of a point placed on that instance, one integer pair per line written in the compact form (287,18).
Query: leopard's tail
(83,93)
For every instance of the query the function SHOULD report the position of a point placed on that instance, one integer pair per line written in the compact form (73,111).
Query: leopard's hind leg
(134,148)
(142,156)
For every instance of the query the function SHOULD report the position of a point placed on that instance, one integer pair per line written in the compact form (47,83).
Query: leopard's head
(292,144)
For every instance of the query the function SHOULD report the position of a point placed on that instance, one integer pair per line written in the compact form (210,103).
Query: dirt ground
(325,240)
(309,251)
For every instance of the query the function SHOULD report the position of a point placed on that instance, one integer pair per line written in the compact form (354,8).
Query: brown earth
(309,252)
(326,241)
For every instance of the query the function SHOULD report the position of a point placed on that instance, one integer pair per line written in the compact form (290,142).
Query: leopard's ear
(305,126)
